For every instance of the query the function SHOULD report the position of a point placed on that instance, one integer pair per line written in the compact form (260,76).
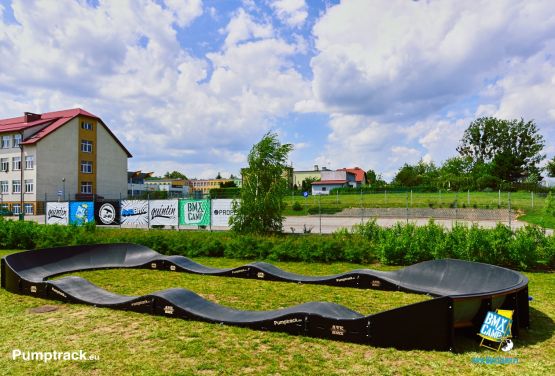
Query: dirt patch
(43,309)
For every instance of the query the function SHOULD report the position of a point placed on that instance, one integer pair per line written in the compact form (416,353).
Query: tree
(371,176)
(175,175)
(513,147)
(218,177)
(306,185)
(228,184)
(264,188)
(550,168)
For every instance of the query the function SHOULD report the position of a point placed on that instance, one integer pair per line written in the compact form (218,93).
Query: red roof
(359,173)
(53,121)
(329,182)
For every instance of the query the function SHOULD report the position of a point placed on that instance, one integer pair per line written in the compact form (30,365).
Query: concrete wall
(300,176)
(112,166)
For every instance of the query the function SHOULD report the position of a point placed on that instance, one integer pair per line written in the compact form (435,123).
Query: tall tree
(513,147)
(175,175)
(264,188)
(218,177)
(371,176)
(550,168)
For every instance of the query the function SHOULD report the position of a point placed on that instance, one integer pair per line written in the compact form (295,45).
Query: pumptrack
(462,292)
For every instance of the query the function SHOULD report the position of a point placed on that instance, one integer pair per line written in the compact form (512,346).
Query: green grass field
(132,343)
(485,200)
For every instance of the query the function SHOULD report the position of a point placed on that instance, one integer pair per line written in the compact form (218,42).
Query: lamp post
(64,188)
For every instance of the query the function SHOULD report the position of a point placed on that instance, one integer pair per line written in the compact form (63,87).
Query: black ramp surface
(463,290)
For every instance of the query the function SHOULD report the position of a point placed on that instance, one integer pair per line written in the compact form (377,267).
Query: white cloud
(185,10)
(399,59)
(243,27)
(291,12)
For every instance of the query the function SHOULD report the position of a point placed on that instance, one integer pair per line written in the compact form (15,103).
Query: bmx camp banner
(221,211)
(81,212)
(163,212)
(194,212)
(107,212)
(57,213)
(134,212)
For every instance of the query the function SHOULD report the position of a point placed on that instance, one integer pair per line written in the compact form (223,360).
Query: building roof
(329,182)
(357,171)
(51,121)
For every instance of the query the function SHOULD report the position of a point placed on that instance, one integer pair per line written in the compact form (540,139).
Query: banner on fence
(57,213)
(221,211)
(134,212)
(81,212)
(163,212)
(107,212)
(194,212)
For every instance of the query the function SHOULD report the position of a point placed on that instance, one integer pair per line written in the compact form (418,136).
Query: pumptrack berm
(462,292)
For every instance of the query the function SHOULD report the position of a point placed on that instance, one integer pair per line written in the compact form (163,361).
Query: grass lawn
(484,200)
(132,343)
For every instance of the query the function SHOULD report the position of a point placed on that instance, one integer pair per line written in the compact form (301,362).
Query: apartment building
(69,154)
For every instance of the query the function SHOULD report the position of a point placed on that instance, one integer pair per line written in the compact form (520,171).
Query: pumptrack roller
(462,294)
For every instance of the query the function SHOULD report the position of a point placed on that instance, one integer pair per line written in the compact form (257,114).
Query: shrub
(297,206)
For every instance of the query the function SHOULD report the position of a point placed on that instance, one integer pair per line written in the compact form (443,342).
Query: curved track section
(464,292)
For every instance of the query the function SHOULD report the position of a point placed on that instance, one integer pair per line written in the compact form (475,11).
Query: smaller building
(136,182)
(203,186)
(333,179)
(360,175)
(174,187)
(301,175)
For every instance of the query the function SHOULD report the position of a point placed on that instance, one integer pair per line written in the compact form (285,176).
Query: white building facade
(68,154)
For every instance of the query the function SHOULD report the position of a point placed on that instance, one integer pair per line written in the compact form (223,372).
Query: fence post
(361,208)
(45,214)
(468,198)
(411,198)
(499,199)
(148,209)
(120,210)
(532,199)
(320,214)
(510,210)
(408,205)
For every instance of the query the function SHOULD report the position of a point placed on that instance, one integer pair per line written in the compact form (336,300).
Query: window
(87,126)
(29,162)
(86,187)
(86,167)
(4,206)
(29,186)
(29,209)
(86,146)
(16,140)
(4,186)
(16,186)
(4,164)
(5,142)
(16,209)
(323,188)
(16,163)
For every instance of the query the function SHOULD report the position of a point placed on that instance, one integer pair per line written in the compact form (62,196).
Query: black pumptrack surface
(462,294)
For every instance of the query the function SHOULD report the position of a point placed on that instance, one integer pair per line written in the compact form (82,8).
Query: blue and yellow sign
(81,212)
(496,328)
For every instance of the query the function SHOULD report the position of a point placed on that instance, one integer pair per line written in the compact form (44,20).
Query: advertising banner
(57,213)
(194,212)
(221,212)
(134,212)
(107,212)
(163,212)
(81,212)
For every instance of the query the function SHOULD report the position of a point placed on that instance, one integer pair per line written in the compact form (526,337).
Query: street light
(64,188)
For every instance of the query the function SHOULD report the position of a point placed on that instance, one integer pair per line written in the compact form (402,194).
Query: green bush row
(402,244)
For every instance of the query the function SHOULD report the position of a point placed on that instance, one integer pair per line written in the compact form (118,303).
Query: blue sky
(190,85)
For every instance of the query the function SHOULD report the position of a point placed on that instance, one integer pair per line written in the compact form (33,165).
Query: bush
(402,244)
(297,206)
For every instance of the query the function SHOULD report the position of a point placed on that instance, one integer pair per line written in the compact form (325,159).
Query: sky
(191,85)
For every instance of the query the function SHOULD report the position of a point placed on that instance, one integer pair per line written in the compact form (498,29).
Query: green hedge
(402,244)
